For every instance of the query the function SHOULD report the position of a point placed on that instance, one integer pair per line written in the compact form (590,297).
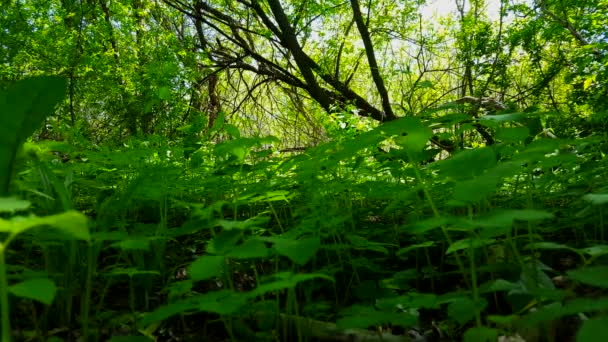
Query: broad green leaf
(476,189)
(410,301)
(468,163)
(468,243)
(593,275)
(513,134)
(596,198)
(130,244)
(415,246)
(169,310)
(11,204)
(556,311)
(511,117)
(548,246)
(285,280)
(70,224)
(593,330)
(206,267)
(596,251)
(497,286)
(42,290)
(363,317)
(250,249)
(424,226)
(164,93)
(224,242)
(480,334)
(298,251)
(23,107)
(462,310)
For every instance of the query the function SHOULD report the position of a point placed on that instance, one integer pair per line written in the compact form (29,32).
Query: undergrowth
(157,240)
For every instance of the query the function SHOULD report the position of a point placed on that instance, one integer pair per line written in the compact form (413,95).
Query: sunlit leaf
(23,107)
(11,204)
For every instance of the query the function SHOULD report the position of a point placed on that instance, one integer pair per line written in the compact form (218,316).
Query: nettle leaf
(476,189)
(224,242)
(11,205)
(206,267)
(23,107)
(596,199)
(480,334)
(130,244)
(462,310)
(513,134)
(71,224)
(498,285)
(424,226)
(593,330)
(250,249)
(596,251)
(42,290)
(594,276)
(467,164)
(298,251)
(363,317)
(285,280)
(555,311)
(468,243)
(222,302)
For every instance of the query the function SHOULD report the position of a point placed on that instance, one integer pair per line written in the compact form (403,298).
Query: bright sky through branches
(442,8)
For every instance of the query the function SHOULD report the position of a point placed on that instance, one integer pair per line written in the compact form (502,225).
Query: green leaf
(556,311)
(298,251)
(363,317)
(468,243)
(594,330)
(594,276)
(476,189)
(468,163)
(513,134)
(131,244)
(285,280)
(164,93)
(250,249)
(424,226)
(11,205)
(206,267)
(480,334)
(70,224)
(23,107)
(497,286)
(42,290)
(596,199)
(462,310)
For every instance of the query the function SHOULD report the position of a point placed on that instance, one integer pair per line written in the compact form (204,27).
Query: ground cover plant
(229,171)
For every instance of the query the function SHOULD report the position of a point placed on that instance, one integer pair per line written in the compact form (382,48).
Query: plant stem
(4,308)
